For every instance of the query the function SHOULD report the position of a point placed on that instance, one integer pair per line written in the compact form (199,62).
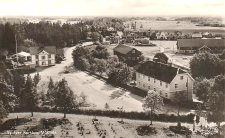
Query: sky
(111,7)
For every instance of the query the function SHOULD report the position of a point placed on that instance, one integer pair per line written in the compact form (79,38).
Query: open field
(111,126)
(171,26)
(170,48)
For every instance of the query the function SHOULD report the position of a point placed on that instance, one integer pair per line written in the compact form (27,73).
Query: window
(37,62)
(160,92)
(160,83)
(148,78)
(49,62)
(144,85)
(154,80)
(166,85)
(49,56)
(154,89)
(149,87)
(181,77)
(43,63)
(133,51)
(36,56)
(139,83)
(139,75)
(176,85)
(43,57)
(166,95)
(133,58)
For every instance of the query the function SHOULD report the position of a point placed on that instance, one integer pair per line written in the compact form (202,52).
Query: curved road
(98,92)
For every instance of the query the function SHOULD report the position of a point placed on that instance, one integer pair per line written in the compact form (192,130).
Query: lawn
(110,126)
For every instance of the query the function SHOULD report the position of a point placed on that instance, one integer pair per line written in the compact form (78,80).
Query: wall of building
(148,83)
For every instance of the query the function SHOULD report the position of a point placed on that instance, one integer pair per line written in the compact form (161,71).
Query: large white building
(43,56)
(164,79)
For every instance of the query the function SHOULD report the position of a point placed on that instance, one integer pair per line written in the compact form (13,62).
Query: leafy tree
(216,100)
(50,92)
(29,96)
(36,79)
(64,97)
(152,102)
(180,98)
(101,66)
(7,96)
(160,57)
(100,52)
(3,112)
(205,65)
(202,87)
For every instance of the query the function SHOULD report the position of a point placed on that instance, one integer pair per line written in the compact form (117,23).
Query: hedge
(115,114)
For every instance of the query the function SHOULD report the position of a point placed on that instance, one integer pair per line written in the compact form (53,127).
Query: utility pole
(16,51)
(187,89)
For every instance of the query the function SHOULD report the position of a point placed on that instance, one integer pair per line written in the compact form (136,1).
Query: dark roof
(60,52)
(123,49)
(36,50)
(201,42)
(159,71)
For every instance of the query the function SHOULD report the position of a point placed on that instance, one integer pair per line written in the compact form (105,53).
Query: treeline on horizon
(38,34)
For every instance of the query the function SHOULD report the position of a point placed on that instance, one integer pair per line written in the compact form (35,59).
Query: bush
(180,130)
(146,130)
(11,123)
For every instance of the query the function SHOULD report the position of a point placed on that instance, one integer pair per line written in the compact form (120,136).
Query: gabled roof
(123,49)
(201,42)
(159,71)
(36,50)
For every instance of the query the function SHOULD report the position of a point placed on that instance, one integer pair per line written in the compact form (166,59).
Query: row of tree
(42,33)
(99,61)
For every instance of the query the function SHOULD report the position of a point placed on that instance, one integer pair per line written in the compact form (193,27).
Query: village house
(43,56)
(164,79)
(129,55)
(190,46)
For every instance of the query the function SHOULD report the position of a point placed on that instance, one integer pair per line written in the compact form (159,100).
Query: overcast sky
(111,7)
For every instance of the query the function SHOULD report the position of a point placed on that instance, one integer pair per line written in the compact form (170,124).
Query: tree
(36,79)
(216,100)
(101,66)
(180,98)
(160,57)
(3,112)
(29,96)
(152,102)
(50,92)
(7,96)
(202,87)
(64,97)
(205,65)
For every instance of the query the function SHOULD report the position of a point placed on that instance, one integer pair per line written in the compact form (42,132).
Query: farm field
(169,47)
(171,26)
(110,126)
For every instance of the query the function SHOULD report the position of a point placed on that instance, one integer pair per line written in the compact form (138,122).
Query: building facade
(190,46)
(164,79)
(43,56)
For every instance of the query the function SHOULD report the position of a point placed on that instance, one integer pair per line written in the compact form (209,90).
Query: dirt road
(98,92)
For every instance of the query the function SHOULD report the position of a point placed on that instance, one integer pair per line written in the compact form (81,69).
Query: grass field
(171,26)
(111,126)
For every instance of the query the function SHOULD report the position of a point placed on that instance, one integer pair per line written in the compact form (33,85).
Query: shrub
(180,130)
(146,130)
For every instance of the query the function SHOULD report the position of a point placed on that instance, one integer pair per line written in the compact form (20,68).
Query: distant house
(26,56)
(164,79)
(199,45)
(110,29)
(196,36)
(43,56)
(127,54)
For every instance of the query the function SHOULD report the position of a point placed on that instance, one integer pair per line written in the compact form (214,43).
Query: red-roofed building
(43,56)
